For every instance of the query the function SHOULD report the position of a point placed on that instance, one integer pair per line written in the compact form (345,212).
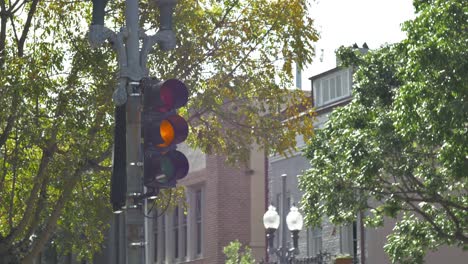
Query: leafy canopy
(400,148)
(57,121)
(236,255)
(236,57)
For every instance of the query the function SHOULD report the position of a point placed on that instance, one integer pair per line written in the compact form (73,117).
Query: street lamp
(294,221)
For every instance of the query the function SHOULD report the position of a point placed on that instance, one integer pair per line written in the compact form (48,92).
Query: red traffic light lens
(173,94)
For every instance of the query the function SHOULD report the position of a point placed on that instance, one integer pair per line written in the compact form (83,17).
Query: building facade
(224,203)
(333,89)
(330,89)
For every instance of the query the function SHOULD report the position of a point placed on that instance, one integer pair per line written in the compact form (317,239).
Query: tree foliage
(236,255)
(237,57)
(400,148)
(57,120)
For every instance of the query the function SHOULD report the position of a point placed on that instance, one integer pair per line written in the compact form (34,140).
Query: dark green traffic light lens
(167,169)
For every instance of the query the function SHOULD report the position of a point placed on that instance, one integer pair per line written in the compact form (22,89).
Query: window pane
(156,247)
(288,206)
(199,240)
(156,230)
(318,93)
(176,217)
(345,83)
(332,89)
(198,216)
(198,204)
(176,243)
(317,240)
(184,235)
(185,241)
(339,93)
(176,232)
(163,239)
(326,91)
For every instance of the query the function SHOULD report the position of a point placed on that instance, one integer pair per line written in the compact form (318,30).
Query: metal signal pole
(134,218)
(130,226)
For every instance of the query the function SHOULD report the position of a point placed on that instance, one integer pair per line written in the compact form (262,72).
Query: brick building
(225,203)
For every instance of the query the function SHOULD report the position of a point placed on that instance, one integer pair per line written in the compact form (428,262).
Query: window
(156,242)
(315,241)
(332,87)
(326,90)
(346,239)
(159,227)
(163,239)
(198,217)
(184,235)
(175,229)
(318,93)
(180,230)
(339,91)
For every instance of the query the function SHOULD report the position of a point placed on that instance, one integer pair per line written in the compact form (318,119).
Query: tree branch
(26,28)
(70,183)
(13,185)
(218,25)
(31,201)
(3,24)
(4,172)
(45,234)
(47,155)
(404,195)
(436,227)
(13,9)
(11,118)
(14,30)
(34,223)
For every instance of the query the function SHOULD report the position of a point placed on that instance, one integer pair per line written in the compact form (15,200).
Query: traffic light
(162,130)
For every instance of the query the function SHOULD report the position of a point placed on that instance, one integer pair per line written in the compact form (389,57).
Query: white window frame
(159,228)
(187,233)
(326,87)
(175,218)
(315,241)
(194,246)
(346,239)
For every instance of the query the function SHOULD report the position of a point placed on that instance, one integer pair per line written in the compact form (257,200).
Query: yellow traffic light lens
(167,133)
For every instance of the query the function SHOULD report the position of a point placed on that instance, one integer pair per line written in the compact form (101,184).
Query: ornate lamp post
(294,221)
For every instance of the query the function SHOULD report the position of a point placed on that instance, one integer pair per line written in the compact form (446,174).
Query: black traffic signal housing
(162,130)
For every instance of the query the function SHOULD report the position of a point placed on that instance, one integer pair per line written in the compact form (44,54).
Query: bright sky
(345,22)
